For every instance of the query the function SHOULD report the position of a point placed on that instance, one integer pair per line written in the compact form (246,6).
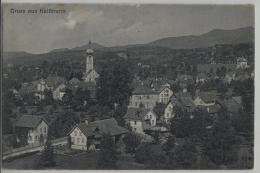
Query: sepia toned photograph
(127,86)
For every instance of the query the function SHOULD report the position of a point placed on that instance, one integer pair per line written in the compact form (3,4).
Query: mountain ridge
(211,38)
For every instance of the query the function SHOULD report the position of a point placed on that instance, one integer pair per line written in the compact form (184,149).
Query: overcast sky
(111,25)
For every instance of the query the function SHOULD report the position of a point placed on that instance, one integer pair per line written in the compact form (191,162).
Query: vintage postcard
(127,86)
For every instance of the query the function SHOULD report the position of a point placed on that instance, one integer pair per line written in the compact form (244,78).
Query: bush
(132,141)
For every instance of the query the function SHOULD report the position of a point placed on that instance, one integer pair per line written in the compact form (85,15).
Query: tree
(180,125)
(221,142)
(8,105)
(113,84)
(243,122)
(41,139)
(183,157)
(190,124)
(22,110)
(159,109)
(132,141)
(48,100)
(119,114)
(108,155)
(47,156)
(79,98)
(64,122)
(151,155)
(67,97)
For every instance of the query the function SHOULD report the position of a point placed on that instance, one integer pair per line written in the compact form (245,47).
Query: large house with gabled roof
(206,98)
(140,119)
(147,97)
(87,136)
(181,101)
(31,129)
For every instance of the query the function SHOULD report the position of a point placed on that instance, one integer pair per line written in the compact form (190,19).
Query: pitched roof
(184,78)
(27,88)
(238,99)
(202,76)
(208,97)
(28,121)
(106,126)
(142,89)
(232,106)
(213,109)
(54,81)
(74,80)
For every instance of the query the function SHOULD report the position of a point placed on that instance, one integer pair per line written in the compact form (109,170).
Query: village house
(229,77)
(31,129)
(89,86)
(205,98)
(201,78)
(74,81)
(145,96)
(59,92)
(242,63)
(140,119)
(38,87)
(87,136)
(181,101)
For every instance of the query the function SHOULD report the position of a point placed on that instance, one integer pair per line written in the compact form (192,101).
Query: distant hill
(93,46)
(217,36)
(159,49)
(60,50)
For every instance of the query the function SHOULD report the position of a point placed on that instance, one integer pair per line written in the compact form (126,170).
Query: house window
(82,140)
(135,103)
(75,133)
(41,130)
(72,139)
(78,139)
(152,122)
(135,122)
(45,129)
(135,129)
(36,138)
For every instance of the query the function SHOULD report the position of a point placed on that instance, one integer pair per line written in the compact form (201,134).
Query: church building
(90,75)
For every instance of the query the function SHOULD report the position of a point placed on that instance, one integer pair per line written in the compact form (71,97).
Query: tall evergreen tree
(108,155)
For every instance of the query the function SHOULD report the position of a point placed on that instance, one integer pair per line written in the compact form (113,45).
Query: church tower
(90,75)
(89,58)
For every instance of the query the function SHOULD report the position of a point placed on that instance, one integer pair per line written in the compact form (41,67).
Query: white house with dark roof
(31,129)
(201,77)
(206,98)
(179,100)
(59,92)
(242,63)
(140,119)
(87,136)
(148,97)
